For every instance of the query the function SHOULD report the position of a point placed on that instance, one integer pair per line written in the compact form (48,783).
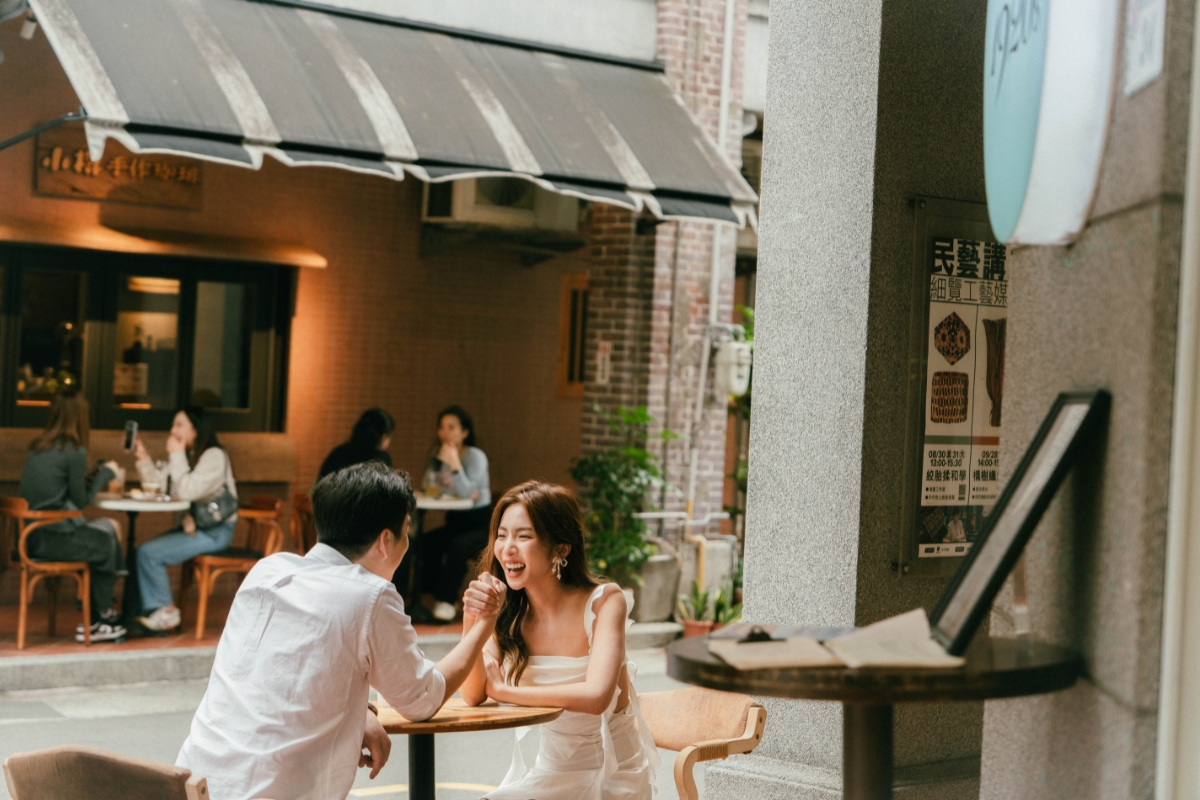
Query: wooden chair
(302,526)
(74,772)
(265,538)
(32,572)
(731,723)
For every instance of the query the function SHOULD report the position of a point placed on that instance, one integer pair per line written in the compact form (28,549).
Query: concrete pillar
(869,104)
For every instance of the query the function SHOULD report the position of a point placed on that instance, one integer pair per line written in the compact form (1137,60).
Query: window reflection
(51,350)
(147,369)
(221,364)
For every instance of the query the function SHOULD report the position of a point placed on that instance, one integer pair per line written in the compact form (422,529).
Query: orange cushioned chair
(703,725)
(302,526)
(17,509)
(74,772)
(265,538)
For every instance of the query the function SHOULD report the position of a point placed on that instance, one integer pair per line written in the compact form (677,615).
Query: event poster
(964,390)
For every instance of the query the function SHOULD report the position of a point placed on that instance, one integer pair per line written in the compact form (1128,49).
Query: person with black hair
(198,469)
(456,468)
(369,441)
(286,711)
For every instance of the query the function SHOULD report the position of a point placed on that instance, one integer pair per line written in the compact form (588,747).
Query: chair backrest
(16,510)
(685,717)
(303,527)
(263,514)
(74,772)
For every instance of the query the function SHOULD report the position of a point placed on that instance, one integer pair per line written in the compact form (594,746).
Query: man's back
(284,711)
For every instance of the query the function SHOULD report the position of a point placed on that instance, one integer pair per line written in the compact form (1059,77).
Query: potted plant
(725,608)
(613,485)
(695,611)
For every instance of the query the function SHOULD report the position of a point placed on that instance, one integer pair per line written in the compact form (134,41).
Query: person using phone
(54,479)
(199,470)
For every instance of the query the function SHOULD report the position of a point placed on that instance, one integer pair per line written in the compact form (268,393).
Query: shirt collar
(325,553)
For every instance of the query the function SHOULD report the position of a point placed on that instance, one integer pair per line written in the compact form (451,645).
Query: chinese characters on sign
(964,384)
(63,168)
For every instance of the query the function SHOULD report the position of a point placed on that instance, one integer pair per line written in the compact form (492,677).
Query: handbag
(211,513)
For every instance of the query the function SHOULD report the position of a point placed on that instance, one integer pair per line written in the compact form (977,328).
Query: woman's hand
(174,444)
(113,467)
(448,455)
(140,453)
(496,688)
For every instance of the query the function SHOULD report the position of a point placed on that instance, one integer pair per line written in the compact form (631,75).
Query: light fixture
(138,283)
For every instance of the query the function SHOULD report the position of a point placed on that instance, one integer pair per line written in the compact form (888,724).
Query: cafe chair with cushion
(301,526)
(265,538)
(731,724)
(74,772)
(33,571)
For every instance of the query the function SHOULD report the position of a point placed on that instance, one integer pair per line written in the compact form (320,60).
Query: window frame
(571,283)
(273,298)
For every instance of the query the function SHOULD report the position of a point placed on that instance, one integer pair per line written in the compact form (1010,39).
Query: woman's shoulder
(475,453)
(214,455)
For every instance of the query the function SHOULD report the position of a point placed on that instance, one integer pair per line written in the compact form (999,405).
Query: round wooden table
(454,717)
(131,598)
(995,668)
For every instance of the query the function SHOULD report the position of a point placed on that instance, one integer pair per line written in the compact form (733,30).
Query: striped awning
(234,81)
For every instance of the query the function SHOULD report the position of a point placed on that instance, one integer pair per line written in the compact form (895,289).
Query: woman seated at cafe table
(54,480)
(198,469)
(369,441)
(456,468)
(560,642)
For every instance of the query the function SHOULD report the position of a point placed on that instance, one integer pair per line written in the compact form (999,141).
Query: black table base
(131,598)
(866,752)
(421,784)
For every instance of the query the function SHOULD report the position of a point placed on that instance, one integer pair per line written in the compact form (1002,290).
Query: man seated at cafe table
(285,714)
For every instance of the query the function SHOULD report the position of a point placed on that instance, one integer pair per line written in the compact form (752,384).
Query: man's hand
(484,597)
(377,743)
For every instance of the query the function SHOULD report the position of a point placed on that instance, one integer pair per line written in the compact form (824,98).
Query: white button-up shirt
(285,708)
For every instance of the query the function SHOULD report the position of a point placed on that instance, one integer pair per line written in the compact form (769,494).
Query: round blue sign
(1012,97)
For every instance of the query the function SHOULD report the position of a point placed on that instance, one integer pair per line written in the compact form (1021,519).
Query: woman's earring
(558,563)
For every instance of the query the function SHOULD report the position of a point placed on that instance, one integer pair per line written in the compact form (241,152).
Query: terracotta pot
(717,626)
(696,628)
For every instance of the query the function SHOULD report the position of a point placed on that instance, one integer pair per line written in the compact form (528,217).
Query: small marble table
(454,717)
(131,600)
(995,668)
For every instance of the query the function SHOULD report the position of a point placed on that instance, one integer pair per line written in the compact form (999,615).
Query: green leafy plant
(696,606)
(724,609)
(614,484)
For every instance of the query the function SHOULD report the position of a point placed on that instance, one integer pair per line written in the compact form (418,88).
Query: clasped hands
(484,598)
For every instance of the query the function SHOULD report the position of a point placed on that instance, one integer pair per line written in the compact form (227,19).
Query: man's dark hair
(352,506)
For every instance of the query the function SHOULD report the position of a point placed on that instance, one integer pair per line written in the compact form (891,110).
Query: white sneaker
(103,632)
(163,619)
(444,611)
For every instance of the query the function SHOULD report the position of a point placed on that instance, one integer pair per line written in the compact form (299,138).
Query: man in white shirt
(286,715)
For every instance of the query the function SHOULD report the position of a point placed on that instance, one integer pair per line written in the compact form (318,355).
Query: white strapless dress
(610,756)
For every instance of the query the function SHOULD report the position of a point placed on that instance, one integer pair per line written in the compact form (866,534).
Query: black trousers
(96,543)
(447,552)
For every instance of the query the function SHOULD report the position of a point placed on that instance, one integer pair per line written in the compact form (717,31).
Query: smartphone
(130,435)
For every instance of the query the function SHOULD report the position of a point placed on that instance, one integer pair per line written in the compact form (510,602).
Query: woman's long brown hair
(67,425)
(557,519)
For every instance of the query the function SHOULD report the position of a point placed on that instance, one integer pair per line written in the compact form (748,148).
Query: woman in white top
(560,641)
(198,469)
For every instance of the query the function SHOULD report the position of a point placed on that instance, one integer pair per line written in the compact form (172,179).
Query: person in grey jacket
(198,469)
(54,479)
(457,468)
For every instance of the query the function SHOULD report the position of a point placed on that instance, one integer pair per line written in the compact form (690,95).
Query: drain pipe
(714,298)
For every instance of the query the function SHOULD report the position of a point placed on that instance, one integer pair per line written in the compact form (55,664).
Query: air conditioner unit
(501,203)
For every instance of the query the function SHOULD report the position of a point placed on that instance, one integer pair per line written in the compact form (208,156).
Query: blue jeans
(174,547)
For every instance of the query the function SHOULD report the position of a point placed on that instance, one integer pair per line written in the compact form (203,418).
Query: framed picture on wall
(1073,421)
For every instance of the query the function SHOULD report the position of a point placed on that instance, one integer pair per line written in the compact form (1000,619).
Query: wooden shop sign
(63,168)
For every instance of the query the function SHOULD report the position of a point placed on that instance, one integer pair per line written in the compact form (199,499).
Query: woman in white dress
(560,642)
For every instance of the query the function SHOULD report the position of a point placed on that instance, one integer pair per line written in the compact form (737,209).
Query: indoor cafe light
(1047,91)
(139,283)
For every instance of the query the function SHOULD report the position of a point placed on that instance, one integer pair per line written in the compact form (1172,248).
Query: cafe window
(572,336)
(142,336)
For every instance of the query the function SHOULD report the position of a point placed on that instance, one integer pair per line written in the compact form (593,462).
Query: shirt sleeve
(399,671)
(473,477)
(204,481)
(76,483)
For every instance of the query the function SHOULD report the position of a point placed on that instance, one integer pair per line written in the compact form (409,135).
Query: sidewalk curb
(27,673)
